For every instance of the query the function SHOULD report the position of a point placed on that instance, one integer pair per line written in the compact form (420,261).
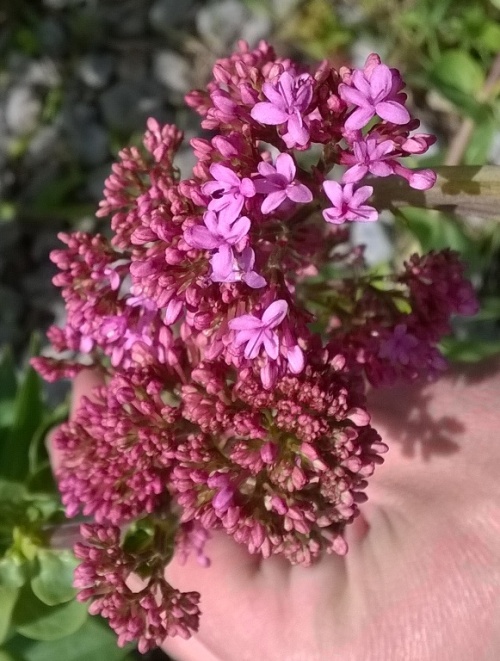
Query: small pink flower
(288,100)
(347,203)
(230,267)
(228,192)
(369,156)
(399,347)
(279,183)
(217,232)
(374,91)
(255,332)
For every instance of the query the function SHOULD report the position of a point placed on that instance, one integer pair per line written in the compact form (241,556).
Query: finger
(83,384)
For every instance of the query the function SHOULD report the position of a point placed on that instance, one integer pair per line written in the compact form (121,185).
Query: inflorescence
(235,327)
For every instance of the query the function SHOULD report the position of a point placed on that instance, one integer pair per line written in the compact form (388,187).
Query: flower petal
(298,133)
(267,113)
(275,313)
(254,280)
(237,231)
(200,237)
(355,97)
(393,112)
(333,191)
(253,345)
(273,201)
(380,82)
(222,263)
(245,322)
(354,174)
(359,118)
(247,187)
(225,174)
(286,166)
(271,344)
(299,193)
(295,357)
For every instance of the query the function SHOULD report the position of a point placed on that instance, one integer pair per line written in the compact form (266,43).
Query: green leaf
(489,310)
(93,641)
(435,231)
(28,415)
(13,572)
(53,583)
(42,480)
(457,70)
(8,382)
(8,387)
(5,656)
(490,36)
(469,351)
(34,619)
(480,143)
(8,598)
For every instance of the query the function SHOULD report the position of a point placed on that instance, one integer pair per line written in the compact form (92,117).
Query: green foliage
(316,30)
(92,642)
(36,593)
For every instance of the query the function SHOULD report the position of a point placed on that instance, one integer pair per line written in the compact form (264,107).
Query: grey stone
(22,110)
(42,72)
(95,182)
(11,307)
(43,242)
(90,143)
(46,143)
(52,35)
(172,70)
(10,235)
(126,106)
(133,66)
(221,24)
(96,69)
(374,236)
(58,4)
(185,160)
(165,15)
(126,18)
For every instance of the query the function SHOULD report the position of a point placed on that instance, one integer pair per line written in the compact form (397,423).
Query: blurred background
(78,79)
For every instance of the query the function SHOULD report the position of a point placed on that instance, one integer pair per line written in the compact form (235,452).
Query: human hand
(421,580)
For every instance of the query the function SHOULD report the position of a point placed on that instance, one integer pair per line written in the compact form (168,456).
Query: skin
(421,580)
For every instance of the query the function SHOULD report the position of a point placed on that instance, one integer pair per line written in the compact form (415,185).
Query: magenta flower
(374,92)
(227,265)
(288,100)
(347,203)
(230,267)
(217,232)
(228,192)
(369,156)
(399,347)
(255,332)
(279,183)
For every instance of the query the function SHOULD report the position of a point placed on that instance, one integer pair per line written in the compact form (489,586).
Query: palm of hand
(421,581)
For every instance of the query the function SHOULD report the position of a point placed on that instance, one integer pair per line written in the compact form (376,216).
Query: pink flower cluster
(233,361)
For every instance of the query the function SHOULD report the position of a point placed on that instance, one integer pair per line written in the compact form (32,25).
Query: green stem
(468,190)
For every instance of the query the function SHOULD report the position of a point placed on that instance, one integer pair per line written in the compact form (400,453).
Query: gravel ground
(78,79)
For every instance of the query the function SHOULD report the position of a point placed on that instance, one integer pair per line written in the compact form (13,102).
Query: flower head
(278,183)
(255,333)
(228,192)
(288,99)
(348,203)
(374,91)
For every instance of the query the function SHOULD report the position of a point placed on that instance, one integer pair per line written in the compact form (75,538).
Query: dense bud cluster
(234,325)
